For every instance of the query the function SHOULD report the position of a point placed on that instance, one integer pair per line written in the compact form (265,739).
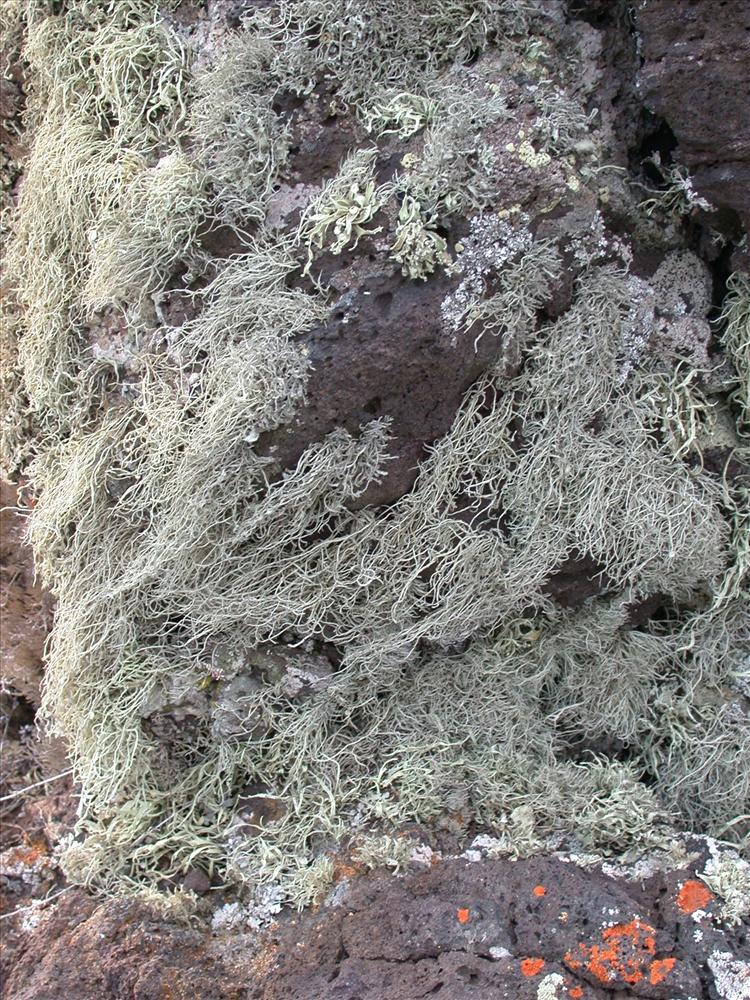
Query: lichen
(238,139)
(731,975)
(340,214)
(728,876)
(459,692)
(417,246)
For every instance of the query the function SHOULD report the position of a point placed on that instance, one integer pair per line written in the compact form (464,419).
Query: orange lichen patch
(463,915)
(532,966)
(693,895)
(660,969)
(345,868)
(626,954)
(539,890)
(32,854)
(576,992)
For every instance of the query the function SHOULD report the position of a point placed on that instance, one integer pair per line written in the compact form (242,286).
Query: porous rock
(696,75)
(497,929)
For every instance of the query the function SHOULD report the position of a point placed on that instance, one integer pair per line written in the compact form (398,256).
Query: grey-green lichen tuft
(196,593)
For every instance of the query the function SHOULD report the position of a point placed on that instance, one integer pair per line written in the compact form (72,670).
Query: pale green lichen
(728,875)
(453,172)
(137,242)
(106,80)
(340,215)
(401,113)
(736,338)
(417,246)
(463,692)
(238,139)
(678,196)
(534,159)
(433,725)
(365,45)
(384,852)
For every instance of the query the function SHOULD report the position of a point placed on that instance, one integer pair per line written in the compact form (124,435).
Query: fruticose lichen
(462,692)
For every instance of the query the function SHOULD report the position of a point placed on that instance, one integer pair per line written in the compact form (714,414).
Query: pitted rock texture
(81,951)
(696,75)
(386,351)
(504,930)
(541,929)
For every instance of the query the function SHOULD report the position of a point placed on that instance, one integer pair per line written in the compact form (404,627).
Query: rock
(196,881)
(696,75)
(235,712)
(540,929)
(26,609)
(383,353)
(80,950)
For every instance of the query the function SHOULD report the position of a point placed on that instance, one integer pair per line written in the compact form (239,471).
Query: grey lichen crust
(199,595)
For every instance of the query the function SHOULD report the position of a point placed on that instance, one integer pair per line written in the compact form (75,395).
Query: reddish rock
(84,951)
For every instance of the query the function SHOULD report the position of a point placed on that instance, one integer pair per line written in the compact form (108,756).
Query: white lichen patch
(731,976)
(423,854)
(728,875)
(229,917)
(29,866)
(497,953)
(253,915)
(666,858)
(549,986)
(492,243)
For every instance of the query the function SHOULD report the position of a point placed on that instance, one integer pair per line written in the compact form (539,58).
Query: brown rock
(456,931)
(696,75)
(81,951)
(24,608)
(384,353)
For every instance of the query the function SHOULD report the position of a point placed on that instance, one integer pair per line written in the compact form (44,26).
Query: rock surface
(386,351)
(541,929)
(696,75)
